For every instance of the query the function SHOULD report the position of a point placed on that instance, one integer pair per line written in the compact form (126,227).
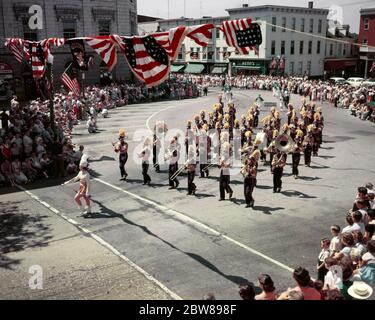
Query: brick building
(367,38)
(64,18)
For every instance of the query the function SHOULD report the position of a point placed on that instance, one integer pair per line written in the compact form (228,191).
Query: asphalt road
(195,245)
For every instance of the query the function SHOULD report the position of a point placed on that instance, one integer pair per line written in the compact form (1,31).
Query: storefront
(341,67)
(249,67)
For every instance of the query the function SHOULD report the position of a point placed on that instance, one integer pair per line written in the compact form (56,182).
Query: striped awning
(194,68)
(177,68)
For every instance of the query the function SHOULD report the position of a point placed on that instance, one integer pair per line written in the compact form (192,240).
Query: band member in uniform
(172,156)
(271,149)
(84,187)
(249,171)
(204,151)
(191,165)
(278,164)
(156,145)
(224,165)
(307,144)
(121,147)
(145,155)
(296,153)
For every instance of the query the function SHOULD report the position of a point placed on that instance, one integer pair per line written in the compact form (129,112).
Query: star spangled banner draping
(149,57)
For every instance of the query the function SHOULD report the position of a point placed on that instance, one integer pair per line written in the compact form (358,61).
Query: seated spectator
(6,169)
(91,125)
(46,163)
(30,172)
(305,285)
(18,175)
(358,225)
(267,286)
(247,292)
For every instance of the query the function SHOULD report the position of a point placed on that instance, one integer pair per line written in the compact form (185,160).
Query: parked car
(337,80)
(355,82)
(369,82)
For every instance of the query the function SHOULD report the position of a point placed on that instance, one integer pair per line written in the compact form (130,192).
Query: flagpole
(51,102)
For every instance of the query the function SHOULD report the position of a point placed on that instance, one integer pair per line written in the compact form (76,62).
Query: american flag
(36,53)
(171,40)
(201,34)
(242,34)
(147,58)
(16,46)
(70,81)
(105,47)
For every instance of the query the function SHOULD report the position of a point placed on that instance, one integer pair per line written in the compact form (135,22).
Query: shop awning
(219,70)
(177,68)
(248,68)
(194,68)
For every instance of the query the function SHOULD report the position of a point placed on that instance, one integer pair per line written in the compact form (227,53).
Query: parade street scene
(187,154)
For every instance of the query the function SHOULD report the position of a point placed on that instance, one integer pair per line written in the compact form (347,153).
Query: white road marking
(104,244)
(192,221)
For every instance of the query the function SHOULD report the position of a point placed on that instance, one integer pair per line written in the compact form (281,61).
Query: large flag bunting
(242,34)
(148,56)
(147,59)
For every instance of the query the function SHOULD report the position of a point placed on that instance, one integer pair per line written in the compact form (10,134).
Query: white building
(304,54)
(299,35)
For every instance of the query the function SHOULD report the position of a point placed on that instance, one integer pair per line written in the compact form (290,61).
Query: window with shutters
(303,25)
(318,47)
(274,23)
(310,47)
(283,24)
(292,44)
(301,47)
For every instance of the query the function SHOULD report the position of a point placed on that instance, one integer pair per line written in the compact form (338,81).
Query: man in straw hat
(360,290)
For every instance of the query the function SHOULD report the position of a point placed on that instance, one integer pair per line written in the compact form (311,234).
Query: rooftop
(278,8)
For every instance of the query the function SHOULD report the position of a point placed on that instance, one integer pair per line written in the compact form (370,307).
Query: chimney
(311,4)
(245,5)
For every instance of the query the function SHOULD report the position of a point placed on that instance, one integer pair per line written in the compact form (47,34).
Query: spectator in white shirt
(358,225)
(335,245)
(350,227)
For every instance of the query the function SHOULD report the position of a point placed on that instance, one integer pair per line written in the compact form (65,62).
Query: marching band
(220,139)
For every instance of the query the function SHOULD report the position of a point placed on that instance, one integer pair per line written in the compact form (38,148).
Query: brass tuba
(284,143)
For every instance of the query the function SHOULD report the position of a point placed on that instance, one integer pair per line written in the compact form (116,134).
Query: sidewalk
(74,266)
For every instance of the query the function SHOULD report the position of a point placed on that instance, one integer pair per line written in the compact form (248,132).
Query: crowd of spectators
(345,268)
(31,147)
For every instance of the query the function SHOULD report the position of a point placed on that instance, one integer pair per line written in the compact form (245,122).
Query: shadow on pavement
(19,231)
(105,212)
(267,210)
(295,193)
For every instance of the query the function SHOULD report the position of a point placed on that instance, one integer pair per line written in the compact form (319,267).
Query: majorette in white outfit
(84,186)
